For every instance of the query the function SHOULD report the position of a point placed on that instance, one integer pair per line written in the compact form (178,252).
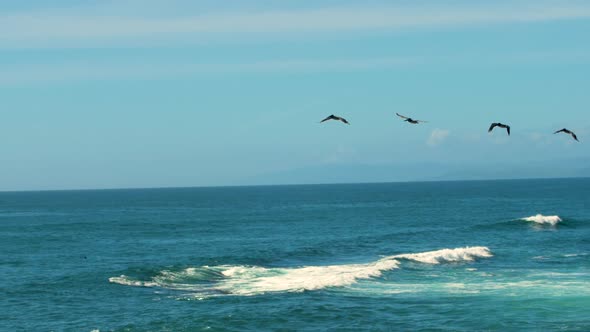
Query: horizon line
(288,184)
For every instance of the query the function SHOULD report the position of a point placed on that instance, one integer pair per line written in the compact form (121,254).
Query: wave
(575,255)
(125,280)
(486,284)
(252,280)
(449,255)
(541,219)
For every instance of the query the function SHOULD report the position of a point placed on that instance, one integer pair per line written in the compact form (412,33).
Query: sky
(178,93)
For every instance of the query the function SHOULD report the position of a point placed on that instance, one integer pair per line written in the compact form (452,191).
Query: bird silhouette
(410,120)
(501,125)
(567,132)
(334,117)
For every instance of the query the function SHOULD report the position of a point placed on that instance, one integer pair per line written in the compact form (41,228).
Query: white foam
(124,280)
(575,255)
(466,254)
(541,219)
(526,288)
(251,280)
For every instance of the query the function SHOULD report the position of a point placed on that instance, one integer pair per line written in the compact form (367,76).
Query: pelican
(567,132)
(410,120)
(501,125)
(334,117)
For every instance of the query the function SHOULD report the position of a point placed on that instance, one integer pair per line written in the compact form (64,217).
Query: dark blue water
(322,257)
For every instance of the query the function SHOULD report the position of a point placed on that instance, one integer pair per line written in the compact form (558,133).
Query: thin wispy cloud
(82,28)
(340,154)
(437,137)
(96,69)
(74,71)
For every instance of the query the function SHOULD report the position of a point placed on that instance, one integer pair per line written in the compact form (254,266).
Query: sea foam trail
(541,219)
(125,280)
(252,280)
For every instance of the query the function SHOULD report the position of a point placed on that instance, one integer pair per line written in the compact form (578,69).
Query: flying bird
(567,132)
(501,125)
(410,120)
(334,117)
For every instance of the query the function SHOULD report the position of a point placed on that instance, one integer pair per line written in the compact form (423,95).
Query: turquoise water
(321,257)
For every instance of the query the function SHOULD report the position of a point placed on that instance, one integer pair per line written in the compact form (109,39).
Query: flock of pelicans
(412,121)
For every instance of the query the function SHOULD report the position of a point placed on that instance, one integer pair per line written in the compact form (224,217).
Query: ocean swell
(252,280)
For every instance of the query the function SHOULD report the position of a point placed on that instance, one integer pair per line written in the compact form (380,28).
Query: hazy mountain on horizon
(428,171)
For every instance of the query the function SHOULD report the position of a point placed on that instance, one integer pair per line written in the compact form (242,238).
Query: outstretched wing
(421,121)
(560,131)
(508,130)
(343,120)
(575,137)
(328,118)
(492,127)
(401,116)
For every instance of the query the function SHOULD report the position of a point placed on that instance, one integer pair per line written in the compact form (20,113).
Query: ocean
(508,255)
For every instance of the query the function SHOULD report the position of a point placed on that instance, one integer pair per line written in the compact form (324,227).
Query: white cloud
(437,137)
(73,71)
(83,28)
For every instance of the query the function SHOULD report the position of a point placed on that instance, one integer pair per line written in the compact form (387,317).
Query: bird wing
(575,137)
(421,121)
(328,118)
(508,129)
(492,127)
(401,116)
(559,131)
(343,120)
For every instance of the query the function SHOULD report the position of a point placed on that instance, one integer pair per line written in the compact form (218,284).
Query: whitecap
(466,254)
(305,278)
(127,281)
(252,280)
(575,255)
(541,219)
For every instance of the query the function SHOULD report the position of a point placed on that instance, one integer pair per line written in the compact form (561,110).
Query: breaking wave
(252,280)
(541,219)
(448,255)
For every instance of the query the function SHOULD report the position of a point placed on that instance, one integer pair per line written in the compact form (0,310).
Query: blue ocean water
(456,256)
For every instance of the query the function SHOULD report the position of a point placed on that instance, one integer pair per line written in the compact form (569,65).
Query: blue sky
(111,94)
